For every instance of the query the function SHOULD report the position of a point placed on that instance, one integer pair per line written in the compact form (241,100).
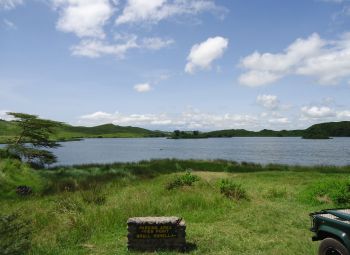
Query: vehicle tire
(330,246)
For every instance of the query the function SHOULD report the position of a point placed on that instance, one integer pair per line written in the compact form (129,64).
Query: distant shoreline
(64,133)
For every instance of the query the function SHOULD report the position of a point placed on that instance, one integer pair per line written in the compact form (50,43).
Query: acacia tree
(33,139)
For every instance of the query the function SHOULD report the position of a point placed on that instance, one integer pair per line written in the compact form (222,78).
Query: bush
(7,154)
(232,190)
(15,235)
(186,179)
(334,191)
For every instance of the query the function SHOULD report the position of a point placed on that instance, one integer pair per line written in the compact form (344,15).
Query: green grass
(89,217)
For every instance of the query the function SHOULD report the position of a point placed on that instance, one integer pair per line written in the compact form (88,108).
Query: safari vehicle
(332,227)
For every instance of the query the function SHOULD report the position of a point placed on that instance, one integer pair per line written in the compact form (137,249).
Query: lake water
(251,149)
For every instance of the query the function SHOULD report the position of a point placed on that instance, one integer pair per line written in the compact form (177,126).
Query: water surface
(263,150)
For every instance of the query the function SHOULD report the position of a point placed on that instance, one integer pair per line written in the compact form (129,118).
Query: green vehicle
(332,228)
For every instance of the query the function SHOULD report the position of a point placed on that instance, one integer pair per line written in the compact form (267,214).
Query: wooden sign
(152,233)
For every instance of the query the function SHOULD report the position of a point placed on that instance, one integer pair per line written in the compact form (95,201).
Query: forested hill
(327,130)
(9,129)
(318,131)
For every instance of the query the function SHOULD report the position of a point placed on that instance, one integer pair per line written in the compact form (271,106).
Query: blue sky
(168,64)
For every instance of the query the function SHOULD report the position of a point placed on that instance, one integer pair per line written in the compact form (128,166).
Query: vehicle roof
(342,215)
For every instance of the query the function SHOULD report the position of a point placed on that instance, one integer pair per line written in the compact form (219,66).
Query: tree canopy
(33,138)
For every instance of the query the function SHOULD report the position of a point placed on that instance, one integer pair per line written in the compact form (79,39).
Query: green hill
(9,129)
(262,133)
(104,131)
(327,130)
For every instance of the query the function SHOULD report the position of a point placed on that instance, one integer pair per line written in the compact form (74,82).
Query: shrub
(232,190)
(15,235)
(7,154)
(186,179)
(334,191)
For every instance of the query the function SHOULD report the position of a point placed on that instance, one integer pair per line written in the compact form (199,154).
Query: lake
(264,150)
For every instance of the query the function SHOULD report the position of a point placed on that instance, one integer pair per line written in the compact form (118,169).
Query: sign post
(154,233)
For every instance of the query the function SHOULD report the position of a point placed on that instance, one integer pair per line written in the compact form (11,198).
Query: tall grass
(84,209)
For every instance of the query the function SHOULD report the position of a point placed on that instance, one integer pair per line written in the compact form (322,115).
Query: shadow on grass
(189,247)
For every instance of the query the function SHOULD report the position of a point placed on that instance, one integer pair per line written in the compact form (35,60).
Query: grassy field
(84,209)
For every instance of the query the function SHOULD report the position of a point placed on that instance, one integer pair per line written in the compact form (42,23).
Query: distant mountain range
(9,129)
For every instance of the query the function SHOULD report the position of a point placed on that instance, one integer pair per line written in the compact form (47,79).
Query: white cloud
(155,43)
(85,18)
(10,4)
(343,115)
(317,112)
(95,48)
(4,116)
(267,67)
(326,61)
(282,120)
(194,119)
(9,25)
(258,78)
(189,119)
(330,66)
(202,55)
(153,11)
(269,102)
(142,87)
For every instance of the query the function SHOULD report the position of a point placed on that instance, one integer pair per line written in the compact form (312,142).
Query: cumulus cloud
(142,87)
(94,48)
(317,112)
(189,119)
(269,102)
(10,4)
(327,61)
(258,78)
(202,55)
(85,18)
(153,11)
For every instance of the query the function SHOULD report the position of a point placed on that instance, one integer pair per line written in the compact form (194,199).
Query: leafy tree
(177,133)
(33,138)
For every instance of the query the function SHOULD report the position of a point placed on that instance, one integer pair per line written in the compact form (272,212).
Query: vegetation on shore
(327,130)
(229,207)
(318,131)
